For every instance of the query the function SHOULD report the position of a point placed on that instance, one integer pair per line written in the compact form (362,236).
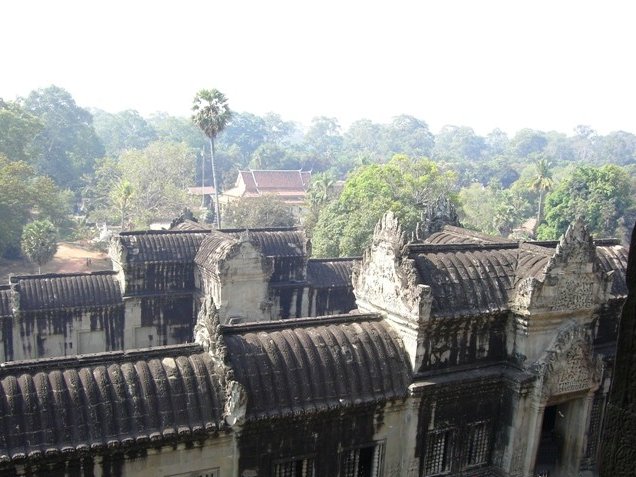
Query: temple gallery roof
(160,245)
(69,290)
(468,281)
(275,241)
(308,365)
(472,273)
(108,400)
(330,272)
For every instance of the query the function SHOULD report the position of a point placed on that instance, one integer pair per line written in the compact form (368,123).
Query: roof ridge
(15,278)
(299,322)
(334,259)
(160,232)
(92,359)
(261,229)
(458,247)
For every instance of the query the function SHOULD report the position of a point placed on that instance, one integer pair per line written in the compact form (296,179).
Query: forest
(79,168)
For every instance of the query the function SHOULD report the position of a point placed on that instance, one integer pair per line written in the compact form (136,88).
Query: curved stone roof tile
(307,365)
(54,291)
(468,282)
(108,400)
(214,246)
(275,242)
(330,273)
(161,245)
(457,235)
(614,257)
(532,261)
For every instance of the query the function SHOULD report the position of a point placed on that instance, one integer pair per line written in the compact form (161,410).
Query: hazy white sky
(485,64)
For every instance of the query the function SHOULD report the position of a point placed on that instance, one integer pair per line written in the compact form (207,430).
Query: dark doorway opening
(549,443)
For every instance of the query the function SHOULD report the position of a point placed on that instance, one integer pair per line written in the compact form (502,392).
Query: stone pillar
(618,447)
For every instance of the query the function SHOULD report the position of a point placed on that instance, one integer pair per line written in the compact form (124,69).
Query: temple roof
(473,273)
(275,241)
(467,281)
(275,180)
(457,235)
(69,290)
(161,245)
(614,257)
(214,246)
(330,272)
(107,400)
(314,364)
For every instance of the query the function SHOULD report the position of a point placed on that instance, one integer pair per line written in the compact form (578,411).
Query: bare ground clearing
(70,257)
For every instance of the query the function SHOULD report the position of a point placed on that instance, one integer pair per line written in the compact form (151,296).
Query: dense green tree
(157,178)
(212,115)
(278,131)
(618,147)
(528,141)
(492,210)
(177,129)
(584,144)
(273,156)
(67,143)
(323,142)
(18,128)
(457,144)
(403,185)
(39,242)
(25,197)
(602,196)
(246,132)
(122,131)
(497,143)
(365,140)
(409,135)
(253,212)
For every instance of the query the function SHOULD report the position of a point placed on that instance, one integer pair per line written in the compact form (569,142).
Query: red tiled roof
(207,190)
(273,181)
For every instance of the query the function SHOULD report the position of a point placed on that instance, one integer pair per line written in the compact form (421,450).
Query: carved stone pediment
(572,279)
(569,365)
(386,280)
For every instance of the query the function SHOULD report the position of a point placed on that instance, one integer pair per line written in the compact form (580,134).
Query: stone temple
(231,353)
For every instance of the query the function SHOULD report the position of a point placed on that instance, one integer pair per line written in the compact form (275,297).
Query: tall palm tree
(542,182)
(212,114)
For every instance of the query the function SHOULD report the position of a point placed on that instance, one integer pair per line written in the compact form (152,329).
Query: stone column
(618,447)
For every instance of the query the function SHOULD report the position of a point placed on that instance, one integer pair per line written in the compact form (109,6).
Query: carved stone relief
(569,364)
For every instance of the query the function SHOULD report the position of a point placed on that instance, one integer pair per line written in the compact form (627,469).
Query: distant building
(288,186)
(206,194)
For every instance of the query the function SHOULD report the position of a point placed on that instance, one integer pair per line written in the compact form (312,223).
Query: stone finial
(575,246)
(389,230)
(186,214)
(435,215)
